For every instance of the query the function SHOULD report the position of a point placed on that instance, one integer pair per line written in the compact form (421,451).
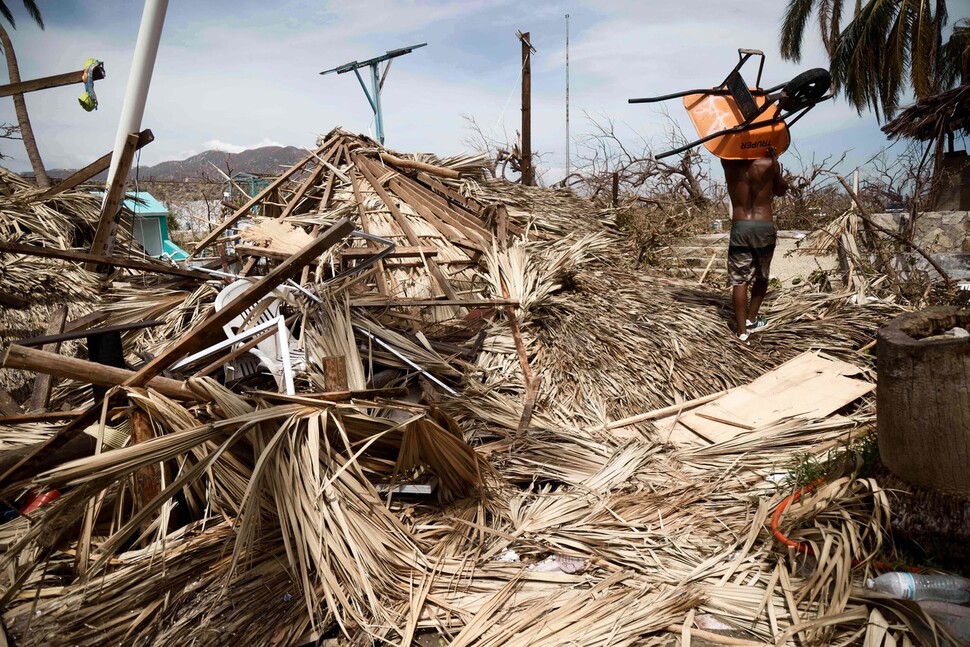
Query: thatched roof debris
(240,513)
(934,116)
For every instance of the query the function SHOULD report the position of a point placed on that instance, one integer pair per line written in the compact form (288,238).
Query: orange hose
(802,547)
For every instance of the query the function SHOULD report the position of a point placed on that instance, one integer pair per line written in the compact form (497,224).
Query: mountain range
(267,160)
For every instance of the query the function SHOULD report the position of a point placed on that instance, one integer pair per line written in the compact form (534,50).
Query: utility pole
(377,77)
(528,172)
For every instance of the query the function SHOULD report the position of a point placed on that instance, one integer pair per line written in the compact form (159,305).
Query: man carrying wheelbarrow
(747,127)
(752,185)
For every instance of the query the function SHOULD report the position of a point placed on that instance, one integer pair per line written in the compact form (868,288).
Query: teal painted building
(150,226)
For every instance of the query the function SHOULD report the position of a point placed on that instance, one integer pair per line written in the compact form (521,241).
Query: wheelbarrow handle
(676,95)
(737,129)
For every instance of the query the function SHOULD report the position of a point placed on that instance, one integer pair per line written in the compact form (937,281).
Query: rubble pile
(390,395)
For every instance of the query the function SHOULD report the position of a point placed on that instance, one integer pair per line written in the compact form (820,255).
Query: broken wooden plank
(335,373)
(100,259)
(41,394)
(145,137)
(809,386)
(104,237)
(8,406)
(73,368)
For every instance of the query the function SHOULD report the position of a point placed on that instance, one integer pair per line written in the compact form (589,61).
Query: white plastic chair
(270,351)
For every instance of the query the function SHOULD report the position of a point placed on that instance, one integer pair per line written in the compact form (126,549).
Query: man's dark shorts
(750,250)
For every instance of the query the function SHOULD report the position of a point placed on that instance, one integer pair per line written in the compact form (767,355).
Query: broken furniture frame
(279,322)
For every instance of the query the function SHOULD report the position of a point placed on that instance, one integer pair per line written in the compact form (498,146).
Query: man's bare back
(752,184)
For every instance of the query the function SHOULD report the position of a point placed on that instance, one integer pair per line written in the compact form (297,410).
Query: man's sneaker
(759,322)
(743,337)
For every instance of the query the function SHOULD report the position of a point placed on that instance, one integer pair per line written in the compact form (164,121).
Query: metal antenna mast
(569,168)
(377,78)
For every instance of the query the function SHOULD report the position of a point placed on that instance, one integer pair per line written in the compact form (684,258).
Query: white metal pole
(140,78)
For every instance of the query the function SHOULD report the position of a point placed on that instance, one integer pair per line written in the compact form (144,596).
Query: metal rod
(404,359)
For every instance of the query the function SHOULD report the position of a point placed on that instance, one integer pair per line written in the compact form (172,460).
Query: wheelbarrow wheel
(807,88)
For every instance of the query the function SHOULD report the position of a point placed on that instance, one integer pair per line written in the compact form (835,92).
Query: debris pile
(391,395)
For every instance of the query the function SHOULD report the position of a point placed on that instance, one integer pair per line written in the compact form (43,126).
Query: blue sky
(241,74)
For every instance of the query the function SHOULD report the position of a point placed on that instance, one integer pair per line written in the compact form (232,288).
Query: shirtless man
(752,184)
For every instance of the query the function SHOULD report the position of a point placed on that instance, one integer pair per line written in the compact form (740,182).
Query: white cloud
(216,145)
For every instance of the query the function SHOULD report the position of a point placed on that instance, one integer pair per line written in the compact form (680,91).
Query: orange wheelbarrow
(736,122)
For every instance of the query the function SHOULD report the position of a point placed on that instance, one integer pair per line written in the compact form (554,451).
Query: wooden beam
(399,252)
(471,205)
(43,416)
(148,479)
(219,363)
(41,394)
(337,396)
(528,173)
(73,368)
(107,226)
(46,82)
(310,180)
(100,259)
(89,320)
(243,210)
(145,137)
(440,171)
(379,277)
(87,332)
(444,218)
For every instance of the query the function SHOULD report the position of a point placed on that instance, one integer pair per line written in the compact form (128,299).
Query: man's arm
(779,186)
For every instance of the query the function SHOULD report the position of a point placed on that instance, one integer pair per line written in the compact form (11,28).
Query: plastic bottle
(915,586)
